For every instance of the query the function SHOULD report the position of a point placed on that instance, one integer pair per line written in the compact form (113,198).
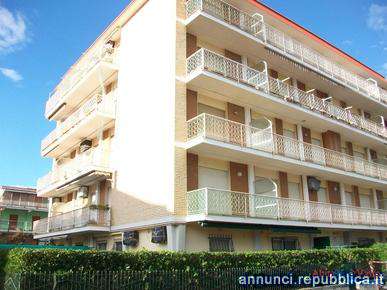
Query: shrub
(27,260)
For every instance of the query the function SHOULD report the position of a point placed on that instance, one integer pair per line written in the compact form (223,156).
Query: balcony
(93,115)
(225,139)
(208,203)
(88,219)
(226,26)
(23,204)
(10,226)
(214,72)
(81,80)
(87,168)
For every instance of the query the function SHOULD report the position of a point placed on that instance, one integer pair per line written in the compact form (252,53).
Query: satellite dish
(313,183)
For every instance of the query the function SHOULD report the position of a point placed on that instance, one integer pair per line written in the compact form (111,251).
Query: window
(118,246)
(294,190)
(221,244)
(214,178)
(265,186)
(202,108)
(102,245)
(285,244)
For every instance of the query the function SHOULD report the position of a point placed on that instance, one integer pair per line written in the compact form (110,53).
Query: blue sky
(40,39)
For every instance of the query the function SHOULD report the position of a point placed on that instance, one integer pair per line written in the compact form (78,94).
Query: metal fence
(170,279)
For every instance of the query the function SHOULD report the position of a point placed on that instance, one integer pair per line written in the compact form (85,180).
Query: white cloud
(11,74)
(12,30)
(377,17)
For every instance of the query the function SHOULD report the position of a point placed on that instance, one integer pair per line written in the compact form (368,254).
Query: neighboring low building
(215,125)
(19,208)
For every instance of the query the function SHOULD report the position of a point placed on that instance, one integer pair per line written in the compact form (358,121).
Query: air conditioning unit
(159,235)
(85,145)
(313,183)
(130,238)
(83,192)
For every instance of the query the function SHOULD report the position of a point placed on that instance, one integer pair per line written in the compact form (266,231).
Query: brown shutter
(102,192)
(12,223)
(373,154)
(283,179)
(239,183)
(334,192)
(313,195)
(35,218)
(349,148)
(321,94)
(192,104)
(356,196)
(343,104)
(279,127)
(192,171)
(306,135)
(279,130)
(332,140)
(379,197)
(239,177)
(273,73)
(301,86)
(191,44)
(233,56)
(307,138)
(235,113)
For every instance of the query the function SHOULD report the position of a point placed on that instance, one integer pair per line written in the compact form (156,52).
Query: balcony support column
(176,235)
(375,198)
(342,193)
(305,191)
(247,123)
(368,152)
(251,178)
(300,139)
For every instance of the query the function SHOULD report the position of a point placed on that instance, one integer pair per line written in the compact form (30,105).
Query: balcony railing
(205,60)
(72,168)
(223,130)
(209,201)
(15,226)
(87,216)
(96,104)
(75,75)
(20,203)
(272,37)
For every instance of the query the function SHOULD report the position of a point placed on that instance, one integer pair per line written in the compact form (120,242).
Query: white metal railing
(87,216)
(20,203)
(207,60)
(96,104)
(286,45)
(220,129)
(210,201)
(15,226)
(105,54)
(72,168)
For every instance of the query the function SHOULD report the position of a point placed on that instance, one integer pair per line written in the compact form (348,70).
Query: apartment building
(215,125)
(19,208)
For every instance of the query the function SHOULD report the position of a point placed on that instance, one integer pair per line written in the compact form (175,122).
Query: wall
(143,152)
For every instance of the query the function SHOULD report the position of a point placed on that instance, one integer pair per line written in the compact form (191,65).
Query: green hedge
(26,260)
(3,263)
